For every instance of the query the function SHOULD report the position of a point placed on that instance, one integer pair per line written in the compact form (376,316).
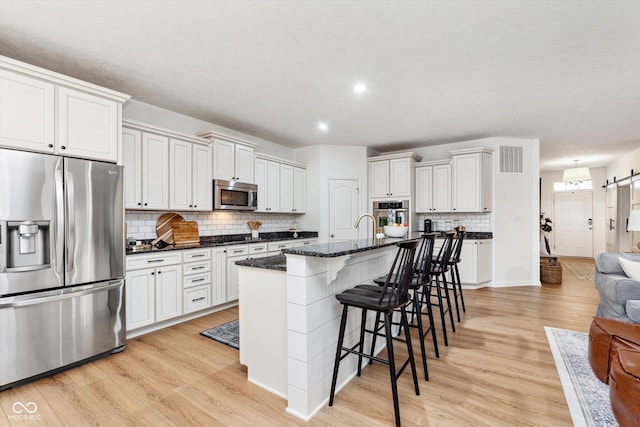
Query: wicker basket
(550,273)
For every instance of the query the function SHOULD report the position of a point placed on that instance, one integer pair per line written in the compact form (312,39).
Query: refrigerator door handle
(58,240)
(35,299)
(71,228)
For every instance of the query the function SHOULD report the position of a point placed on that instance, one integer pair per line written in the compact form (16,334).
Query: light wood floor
(497,371)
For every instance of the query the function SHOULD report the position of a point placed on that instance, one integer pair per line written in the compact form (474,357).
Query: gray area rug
(581,270)
(227,333)
(587,397)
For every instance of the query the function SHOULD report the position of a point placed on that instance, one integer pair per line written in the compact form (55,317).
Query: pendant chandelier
(576,174)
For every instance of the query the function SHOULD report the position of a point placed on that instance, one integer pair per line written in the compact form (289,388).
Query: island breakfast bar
(289,317)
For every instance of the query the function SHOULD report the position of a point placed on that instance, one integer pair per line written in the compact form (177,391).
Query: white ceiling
(566,72)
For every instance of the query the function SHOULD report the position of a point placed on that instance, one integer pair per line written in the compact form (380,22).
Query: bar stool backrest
(445,251)
(457,247)
(424,259)
(396,286)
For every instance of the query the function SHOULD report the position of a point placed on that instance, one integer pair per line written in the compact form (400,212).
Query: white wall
(621,168)
(325,162)
(146,113)
(516,238)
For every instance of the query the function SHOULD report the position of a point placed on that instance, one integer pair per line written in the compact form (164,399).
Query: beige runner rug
(582,271)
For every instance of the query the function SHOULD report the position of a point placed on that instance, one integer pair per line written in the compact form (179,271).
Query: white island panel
(314,319)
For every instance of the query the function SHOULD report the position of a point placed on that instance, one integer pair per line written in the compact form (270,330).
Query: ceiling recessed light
(322,126)
(360,88)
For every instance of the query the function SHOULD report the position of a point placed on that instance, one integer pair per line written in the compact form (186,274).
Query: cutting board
(164,228)
(185,232)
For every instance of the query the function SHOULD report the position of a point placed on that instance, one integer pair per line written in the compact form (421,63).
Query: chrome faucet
(373,224)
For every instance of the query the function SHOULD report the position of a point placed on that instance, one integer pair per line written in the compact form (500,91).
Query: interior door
(573,223)
(344,209)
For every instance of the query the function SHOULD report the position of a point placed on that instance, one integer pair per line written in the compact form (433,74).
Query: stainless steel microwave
(234,196)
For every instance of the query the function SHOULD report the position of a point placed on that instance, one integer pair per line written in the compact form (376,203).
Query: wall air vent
(510,159)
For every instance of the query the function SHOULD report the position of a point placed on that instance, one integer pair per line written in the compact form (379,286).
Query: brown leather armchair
(614,355)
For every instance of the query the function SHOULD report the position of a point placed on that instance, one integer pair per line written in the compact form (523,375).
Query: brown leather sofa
(614,355)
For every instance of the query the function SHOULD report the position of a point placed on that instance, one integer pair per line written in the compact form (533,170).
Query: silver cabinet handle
(198,280)
(197,256)
(154,260)
(198,299)
(198,268)
(237,251)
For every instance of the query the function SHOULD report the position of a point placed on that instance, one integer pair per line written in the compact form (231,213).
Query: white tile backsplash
(478,222)
(142,225)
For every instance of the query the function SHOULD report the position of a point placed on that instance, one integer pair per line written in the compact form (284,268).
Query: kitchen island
(289,317)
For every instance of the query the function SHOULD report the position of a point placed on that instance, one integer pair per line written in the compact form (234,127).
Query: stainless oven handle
(35,299)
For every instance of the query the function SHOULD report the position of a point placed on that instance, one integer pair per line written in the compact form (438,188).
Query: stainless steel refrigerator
(61,263)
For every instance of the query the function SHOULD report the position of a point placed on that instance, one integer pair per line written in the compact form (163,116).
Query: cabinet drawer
(258,249)
(197,267)
(196,280)
(234,251)
(134,262)
(197,255)
(196,298)
(278,246)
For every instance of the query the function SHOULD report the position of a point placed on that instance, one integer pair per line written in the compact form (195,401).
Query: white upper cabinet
(165,169)
(299,190)
(190,177)
(286,188)
(281,185)
(244,163)
(379,179)
(132,161)
(433,187)
(88,125)
(232,157)
(27,108)
(391,176)
(472,180)
(224,160)
(400,172)
(155,171)
(48,112)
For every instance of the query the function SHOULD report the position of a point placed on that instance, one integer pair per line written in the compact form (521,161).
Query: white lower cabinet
(140,297)
(276,247)
(169,284)
(218,275)
(168,292)
(153,288)
(475,260)
(234,253)
(196,279)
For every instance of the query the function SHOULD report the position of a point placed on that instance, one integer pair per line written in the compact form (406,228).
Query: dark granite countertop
(276,262)
(470,235)
(230,239)
(328,250)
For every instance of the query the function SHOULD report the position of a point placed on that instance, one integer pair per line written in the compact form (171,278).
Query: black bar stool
(455,273)
(439,270)
(394,295)
(421,278)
